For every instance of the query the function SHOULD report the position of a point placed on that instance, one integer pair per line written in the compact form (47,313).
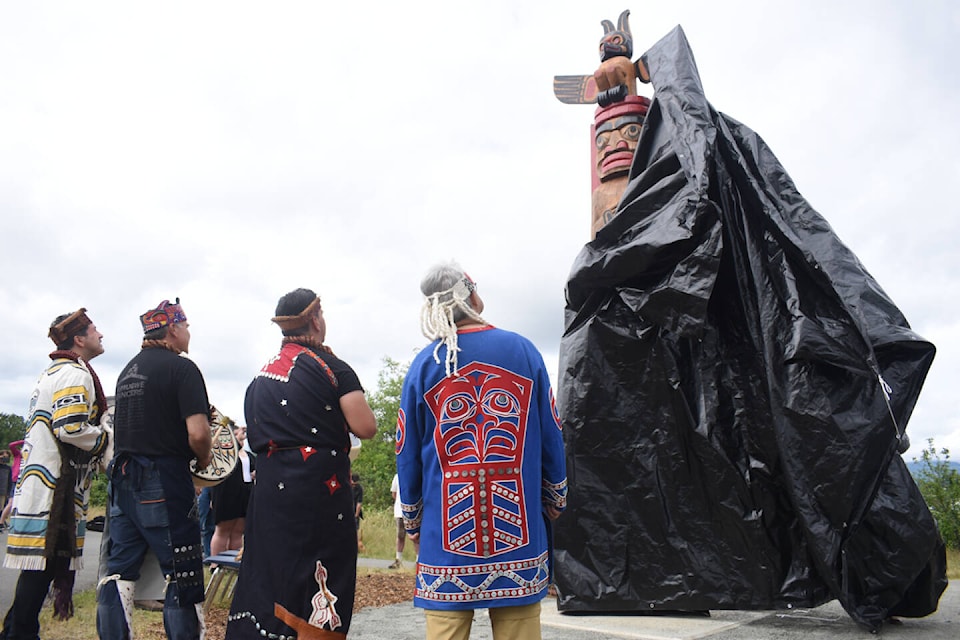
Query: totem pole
(617,120)
(733,385)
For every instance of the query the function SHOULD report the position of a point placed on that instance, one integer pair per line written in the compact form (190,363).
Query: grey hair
(447,289)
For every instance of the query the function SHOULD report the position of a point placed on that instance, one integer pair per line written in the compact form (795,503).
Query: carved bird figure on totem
(616,41)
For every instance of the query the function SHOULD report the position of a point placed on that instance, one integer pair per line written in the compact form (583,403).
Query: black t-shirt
(156,392)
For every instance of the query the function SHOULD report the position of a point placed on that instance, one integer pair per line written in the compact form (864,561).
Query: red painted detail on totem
(631,105)
(622,158)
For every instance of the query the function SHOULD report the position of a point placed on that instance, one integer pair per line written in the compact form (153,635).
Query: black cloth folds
(734,386)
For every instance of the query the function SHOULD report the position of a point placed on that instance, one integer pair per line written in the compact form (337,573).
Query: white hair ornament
(437,323)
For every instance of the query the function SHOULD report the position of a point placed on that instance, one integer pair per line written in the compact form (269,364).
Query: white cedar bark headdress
(437,319)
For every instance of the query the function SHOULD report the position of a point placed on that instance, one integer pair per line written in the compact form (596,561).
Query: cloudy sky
(229,152)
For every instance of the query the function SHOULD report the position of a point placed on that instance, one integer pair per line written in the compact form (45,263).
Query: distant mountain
(915,467)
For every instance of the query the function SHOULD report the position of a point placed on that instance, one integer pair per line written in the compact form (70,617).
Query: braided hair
(447,289)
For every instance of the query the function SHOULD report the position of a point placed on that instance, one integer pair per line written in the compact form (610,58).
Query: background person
(401,529)
(6,482)
(160,424)
(357,490)
(299,569)
(205,512)
(14,448)
(481,466)
(49,511)
(229,499)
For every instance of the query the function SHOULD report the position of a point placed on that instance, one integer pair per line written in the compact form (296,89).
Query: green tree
(377,463)
(98,490)
(939,483)
(12,428)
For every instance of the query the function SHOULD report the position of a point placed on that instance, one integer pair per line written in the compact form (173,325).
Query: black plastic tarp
(734,387)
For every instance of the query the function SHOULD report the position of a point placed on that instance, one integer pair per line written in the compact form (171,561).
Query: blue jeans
(207,524)
(22,621)
(152,504)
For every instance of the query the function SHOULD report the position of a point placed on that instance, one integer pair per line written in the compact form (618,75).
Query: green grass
(83,624)
(380,536)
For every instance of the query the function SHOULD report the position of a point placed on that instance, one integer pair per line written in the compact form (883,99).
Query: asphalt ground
(830,621)
(405,622)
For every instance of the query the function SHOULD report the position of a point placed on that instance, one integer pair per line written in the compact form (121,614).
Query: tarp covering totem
(734,387)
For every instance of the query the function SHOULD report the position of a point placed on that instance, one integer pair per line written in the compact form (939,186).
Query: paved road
(86,578)
(826,622)
(405,622)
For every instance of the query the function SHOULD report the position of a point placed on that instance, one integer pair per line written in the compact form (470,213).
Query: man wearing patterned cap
(63,440)
(481,466)
(160,424)
(299,569)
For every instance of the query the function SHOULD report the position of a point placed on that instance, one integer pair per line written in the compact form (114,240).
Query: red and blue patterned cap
(166,313)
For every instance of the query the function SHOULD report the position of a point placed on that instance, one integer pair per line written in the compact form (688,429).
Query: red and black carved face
(616,41)
(616,141)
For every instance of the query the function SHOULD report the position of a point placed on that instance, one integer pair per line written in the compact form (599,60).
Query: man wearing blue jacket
(481,465)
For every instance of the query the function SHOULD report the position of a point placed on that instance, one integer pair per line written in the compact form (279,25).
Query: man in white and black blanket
(63,441)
